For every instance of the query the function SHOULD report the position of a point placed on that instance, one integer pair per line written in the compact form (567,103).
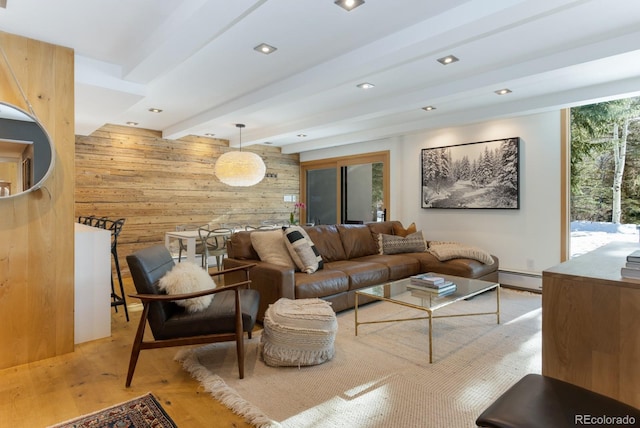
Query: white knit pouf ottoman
(298,333)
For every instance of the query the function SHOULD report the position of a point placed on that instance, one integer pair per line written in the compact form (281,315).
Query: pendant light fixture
(240,169)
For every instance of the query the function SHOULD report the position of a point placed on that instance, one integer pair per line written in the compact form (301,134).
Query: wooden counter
(591,323)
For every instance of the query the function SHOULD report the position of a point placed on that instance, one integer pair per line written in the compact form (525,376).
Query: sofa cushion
(327,241)
(392,244)
(361,274)
(302,250)
(399,265)
(271,248)
(378,227)
(466,268)
(401,231)
(357,240)
(186,278)
(382,227)
(322,283)
(239,246)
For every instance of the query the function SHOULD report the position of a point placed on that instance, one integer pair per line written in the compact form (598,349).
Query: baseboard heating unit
(529,281)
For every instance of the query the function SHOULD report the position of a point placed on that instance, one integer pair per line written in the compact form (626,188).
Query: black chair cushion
(537,401)
(221,309)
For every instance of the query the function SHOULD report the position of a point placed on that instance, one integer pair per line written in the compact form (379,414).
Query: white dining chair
(182,246)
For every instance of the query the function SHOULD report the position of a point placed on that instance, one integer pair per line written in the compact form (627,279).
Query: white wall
(527,239)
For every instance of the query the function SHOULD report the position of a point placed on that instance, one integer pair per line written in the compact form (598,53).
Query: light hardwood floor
(92,377)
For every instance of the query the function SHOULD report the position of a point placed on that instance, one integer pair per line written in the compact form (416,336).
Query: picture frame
(480,175)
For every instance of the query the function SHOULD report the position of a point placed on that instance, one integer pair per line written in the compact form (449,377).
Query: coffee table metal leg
(430,338)
(356,313)
(498,303)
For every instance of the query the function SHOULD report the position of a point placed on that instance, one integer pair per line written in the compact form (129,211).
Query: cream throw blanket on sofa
(455,250)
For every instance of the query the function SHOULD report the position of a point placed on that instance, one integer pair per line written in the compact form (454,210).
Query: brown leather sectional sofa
(351,261)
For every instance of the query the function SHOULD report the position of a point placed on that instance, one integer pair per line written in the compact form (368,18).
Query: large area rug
(141,412)
(382,377)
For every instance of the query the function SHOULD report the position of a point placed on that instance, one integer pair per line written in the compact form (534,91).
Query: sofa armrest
(272,281)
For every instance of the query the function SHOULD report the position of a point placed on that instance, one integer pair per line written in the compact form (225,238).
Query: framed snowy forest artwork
(473,175)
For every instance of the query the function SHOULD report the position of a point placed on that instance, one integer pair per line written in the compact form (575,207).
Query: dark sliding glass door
(321,196)
(346,190)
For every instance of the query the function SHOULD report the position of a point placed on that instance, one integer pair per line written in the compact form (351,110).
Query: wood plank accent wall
(36,229)
(157,184)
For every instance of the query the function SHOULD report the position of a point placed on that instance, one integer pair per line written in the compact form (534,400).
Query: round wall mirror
(26,152)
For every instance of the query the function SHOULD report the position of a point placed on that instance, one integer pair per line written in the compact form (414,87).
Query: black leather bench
(537,401)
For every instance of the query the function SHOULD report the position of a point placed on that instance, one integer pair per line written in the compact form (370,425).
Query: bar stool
(91,220)
(115,226)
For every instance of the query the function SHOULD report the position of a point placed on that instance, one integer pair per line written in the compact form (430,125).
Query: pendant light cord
(240,126)
(15,78)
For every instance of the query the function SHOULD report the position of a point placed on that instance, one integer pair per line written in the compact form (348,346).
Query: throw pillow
(392,244)
(271,248)
(401,231)
(303,252)
(186,278)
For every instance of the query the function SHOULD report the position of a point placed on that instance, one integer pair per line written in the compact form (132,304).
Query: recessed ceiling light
(132,123)
(209,134)
(301,135)
(503,91)
(155,110)
(265,48)
(268,142)
(428,108)
(366,85)
(349,5)
(449,59)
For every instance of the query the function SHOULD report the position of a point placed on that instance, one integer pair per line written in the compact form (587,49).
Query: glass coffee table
(401,292)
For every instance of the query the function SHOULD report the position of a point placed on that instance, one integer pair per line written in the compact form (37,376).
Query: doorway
(351,189)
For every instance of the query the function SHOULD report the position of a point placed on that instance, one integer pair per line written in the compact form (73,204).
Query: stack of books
(435,285)
(632,268)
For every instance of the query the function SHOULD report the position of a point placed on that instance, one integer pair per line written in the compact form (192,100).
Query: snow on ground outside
(587,235)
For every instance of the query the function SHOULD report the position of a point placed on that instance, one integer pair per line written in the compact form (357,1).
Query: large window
(352,189)
(604,169)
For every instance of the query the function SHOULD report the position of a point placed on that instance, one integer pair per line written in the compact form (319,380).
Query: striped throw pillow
(302,251)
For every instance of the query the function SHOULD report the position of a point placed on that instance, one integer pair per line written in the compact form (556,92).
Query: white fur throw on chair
(188,277)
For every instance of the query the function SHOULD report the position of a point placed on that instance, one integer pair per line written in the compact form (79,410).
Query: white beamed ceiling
(194,59)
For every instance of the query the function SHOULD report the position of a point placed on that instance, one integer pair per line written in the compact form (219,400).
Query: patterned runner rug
(382,377)
(141,412)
